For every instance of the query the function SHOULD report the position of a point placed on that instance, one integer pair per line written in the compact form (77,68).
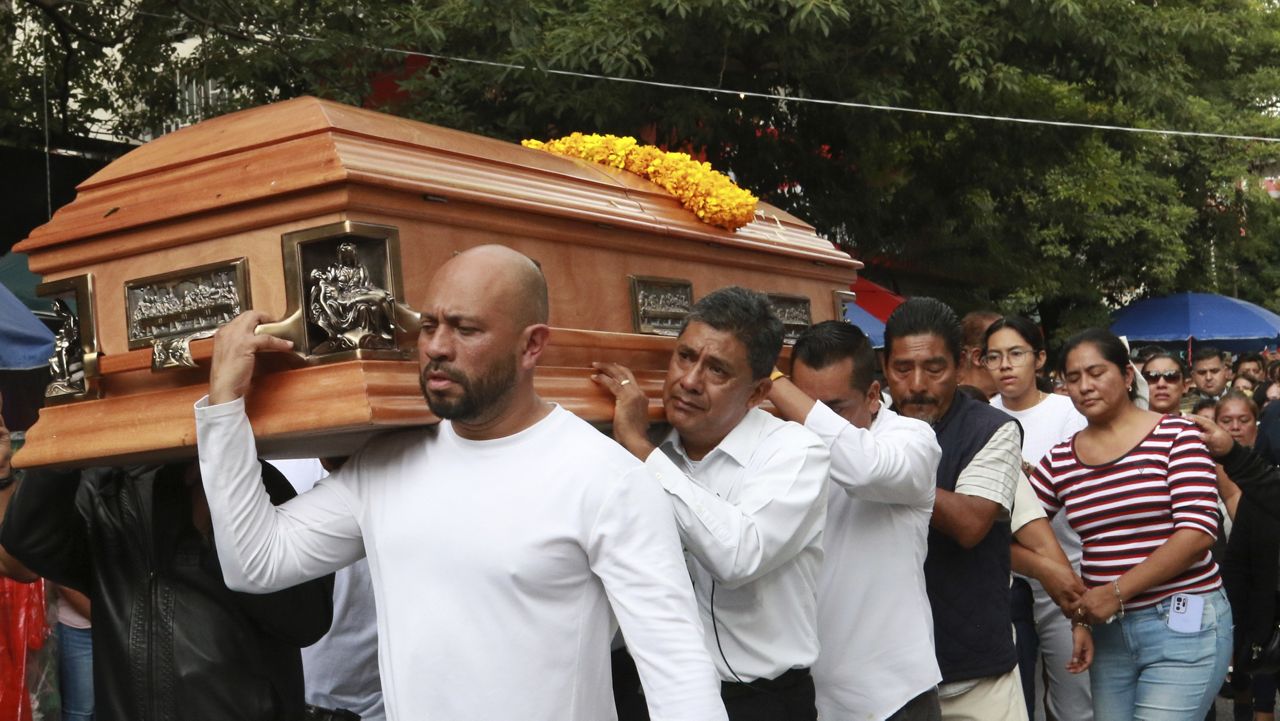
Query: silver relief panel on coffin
(794,312)
(167,312)
(659,305)
(348,304)
(73,366)
(343,283)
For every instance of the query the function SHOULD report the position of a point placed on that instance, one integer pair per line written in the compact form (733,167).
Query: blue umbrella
(24,341)
(1229,323)
(869,324)
(18,278)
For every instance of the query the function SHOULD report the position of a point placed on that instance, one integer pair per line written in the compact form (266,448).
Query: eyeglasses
(1166,376)
(1018,357)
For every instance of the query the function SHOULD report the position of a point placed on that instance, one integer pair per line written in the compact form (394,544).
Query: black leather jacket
(170,641)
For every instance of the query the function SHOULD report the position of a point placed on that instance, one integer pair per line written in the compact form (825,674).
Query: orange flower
(710,195)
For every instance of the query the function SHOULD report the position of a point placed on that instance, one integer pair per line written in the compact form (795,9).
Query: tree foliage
(1062,222)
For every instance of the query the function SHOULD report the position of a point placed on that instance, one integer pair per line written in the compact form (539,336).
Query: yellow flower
(710,195)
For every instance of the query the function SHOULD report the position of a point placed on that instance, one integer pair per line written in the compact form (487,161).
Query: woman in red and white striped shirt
(1139,487)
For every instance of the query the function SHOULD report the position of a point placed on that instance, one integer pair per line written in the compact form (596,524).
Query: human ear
(873,397)
(759,392)
(533,341)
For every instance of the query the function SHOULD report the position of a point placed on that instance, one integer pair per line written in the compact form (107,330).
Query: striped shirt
(1129,507)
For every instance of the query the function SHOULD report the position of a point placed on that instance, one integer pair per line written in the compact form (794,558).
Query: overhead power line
(743,94)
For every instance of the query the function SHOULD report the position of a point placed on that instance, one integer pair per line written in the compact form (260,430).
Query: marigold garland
(710,195)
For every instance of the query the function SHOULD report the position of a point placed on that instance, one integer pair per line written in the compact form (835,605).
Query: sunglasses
(1167,376)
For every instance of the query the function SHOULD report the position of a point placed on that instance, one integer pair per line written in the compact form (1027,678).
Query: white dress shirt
(874,619)
(495,565)
(750,514)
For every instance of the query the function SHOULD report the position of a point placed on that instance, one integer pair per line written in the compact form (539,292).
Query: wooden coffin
(250,210)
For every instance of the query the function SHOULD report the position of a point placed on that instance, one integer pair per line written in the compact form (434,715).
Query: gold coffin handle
(408,324)
(293,328)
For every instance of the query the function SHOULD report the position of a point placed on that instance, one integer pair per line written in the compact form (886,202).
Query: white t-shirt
(496,565)
(875,625)
(1045,425)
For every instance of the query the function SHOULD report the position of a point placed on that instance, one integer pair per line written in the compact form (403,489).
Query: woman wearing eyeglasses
(1013,352)
(1166,382)
(1140,489)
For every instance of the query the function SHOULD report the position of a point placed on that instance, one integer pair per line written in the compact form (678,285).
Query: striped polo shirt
(1127,508)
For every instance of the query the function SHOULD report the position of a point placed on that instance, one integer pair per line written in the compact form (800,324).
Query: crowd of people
(952,529)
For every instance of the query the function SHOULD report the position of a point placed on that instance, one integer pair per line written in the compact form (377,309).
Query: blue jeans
(1145,671)
(75,670)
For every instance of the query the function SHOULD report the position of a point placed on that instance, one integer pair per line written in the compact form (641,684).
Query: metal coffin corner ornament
(343,283)
(73,367)
(794,312)
(168,311)
(842,299)
(659,305)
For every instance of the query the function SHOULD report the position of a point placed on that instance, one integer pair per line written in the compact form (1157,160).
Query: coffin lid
(305,144)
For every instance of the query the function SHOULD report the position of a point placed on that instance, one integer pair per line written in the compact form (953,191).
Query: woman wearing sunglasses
(1014,352)
(1140,489)
(1166,382)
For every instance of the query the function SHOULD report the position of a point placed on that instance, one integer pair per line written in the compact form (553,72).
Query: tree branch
(50,10)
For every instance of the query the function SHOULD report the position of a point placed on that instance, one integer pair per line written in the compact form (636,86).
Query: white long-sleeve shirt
(495,565)
(874,620)
(750,514)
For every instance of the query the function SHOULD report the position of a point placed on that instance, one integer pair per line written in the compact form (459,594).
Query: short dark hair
(1147,352)
(831,341)
(1236,395)
(1204,353)
(974,325)
(748,316)
(1204,403)
(1109,346)
(1021,325)
(1163,354)
(1248,358)
(924,316)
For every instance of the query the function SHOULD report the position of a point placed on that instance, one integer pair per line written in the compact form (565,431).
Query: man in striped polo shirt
(967,569)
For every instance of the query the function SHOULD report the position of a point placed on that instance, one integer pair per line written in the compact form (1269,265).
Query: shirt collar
(738,444)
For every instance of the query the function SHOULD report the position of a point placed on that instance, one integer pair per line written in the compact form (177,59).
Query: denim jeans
(1145,671)
(75,670)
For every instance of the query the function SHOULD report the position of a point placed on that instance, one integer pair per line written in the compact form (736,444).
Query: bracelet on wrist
(1115,584)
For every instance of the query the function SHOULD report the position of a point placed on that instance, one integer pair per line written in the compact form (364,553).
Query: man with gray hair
(749,495)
